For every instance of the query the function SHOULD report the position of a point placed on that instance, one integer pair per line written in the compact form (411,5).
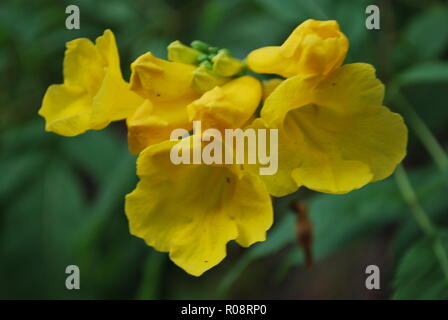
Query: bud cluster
(215,66)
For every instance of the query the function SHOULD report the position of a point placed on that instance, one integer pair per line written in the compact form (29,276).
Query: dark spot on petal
(158,94)
(333,84)
(228,180)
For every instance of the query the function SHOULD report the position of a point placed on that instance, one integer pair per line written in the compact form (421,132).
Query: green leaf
(27,136)
(64,204)
(422,273)
(350,15)
(431,188)
(341,219)
(243,27)
(17,170)
(428,33)
(97,152)
(152,270)
(108,207)
(295,11)
(117,183)
(278,237)
(424,73)
(37,235)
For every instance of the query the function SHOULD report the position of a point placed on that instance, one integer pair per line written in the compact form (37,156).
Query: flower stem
(410,197)
(421,217)
(422,131)
(440,253)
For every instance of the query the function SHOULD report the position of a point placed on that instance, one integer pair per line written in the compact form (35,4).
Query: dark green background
(62,199)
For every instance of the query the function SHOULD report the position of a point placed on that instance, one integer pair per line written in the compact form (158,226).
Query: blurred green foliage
(61,199)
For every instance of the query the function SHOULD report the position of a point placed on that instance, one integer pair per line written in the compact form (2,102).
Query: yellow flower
(172,100)
(225,65)
(334,134)
(93,93)
(229,106)
(313,48)
(166,88)
(193,210)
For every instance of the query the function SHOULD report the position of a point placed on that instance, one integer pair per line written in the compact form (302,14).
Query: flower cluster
(334,134)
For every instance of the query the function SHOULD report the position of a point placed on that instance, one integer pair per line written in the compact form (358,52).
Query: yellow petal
(353,85)
(154,122)
(335,135)
(192,211)
(290,94)
(314,48)
(281,183)
(269,86)
(332,176)
(83,65)
(93,93)
(107,48)
(166,86)
(66,109)
(266,60)
(113,101)
(229,106)
(160,80)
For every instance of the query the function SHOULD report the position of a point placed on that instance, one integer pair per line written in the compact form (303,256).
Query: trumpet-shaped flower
(314,48)
(173,101)
(334,134)
(166,88)
(93,93)
(195,77)
(193,210)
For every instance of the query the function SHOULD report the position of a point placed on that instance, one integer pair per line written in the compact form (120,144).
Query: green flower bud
(226,51)
(213,50)
(178,52)
(207,64)
(225,65)
(199,45)
(204,79)
(202,57)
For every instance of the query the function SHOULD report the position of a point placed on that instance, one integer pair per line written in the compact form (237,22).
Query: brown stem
(304,231)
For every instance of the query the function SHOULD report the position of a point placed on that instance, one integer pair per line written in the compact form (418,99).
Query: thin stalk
(440,253)
(422,131)
(411,199)
(421,217)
